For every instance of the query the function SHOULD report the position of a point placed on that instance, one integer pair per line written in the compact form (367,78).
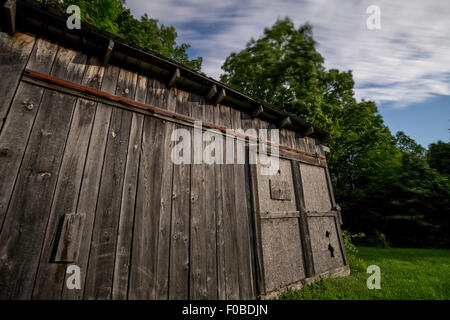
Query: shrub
(356,263)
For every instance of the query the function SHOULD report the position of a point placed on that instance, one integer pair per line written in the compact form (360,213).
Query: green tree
(438,157)
(113,17)
(406,144)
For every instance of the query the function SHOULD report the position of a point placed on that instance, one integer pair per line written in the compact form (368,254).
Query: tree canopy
(383,182)
(113,17)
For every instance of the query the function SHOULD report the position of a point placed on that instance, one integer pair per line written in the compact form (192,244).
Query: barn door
(297,233)
(322,218)
(279,244)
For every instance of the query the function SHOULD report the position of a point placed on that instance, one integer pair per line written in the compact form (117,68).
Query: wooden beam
(108,52)
(286,122)
(303,221)
(211,93)
(175,78)
(9,16)
(221,96)
(309,131)
(258,111)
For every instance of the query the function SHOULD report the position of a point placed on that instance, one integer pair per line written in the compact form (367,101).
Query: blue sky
(404,66)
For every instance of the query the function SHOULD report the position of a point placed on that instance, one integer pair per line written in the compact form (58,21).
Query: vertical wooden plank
(50,277)
(14,53)
(69,238)
(179,251)
(16,131)
(247,123)
(303,221)
(219,205)
(242,223)
(24,229)
(127,211)
(148,204)
(229,217)
(253,175)
(165,213)
(210,220)
(198,258)
(91,178)
(100,270)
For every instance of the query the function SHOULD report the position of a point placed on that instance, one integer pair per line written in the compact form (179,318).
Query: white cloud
(407,61)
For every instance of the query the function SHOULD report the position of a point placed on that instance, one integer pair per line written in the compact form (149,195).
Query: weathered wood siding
(77,170)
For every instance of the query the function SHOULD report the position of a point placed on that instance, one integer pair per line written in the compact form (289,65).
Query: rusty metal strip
(76,88)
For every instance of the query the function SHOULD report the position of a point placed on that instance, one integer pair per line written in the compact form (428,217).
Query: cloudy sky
(404,66)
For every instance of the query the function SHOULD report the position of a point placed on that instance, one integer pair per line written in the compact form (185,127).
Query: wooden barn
(87,179)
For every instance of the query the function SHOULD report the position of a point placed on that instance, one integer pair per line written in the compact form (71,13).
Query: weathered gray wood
(108,52)
(104,237)
(221,96)
(211,93)
(247,123)
(127,211)
(148,206)
(325,235)
(165,213)
(279,190)
(50,275)
(245,262)
(282,252)
(91,178)
(218,170)
(23,233)
(280,215)
(179,251)
(253,177)
(315,188)
(198,232)
(231,249)
(283,176)
(174,79)
(15,130)
(210,221)
(341,240)
(330,188)
(258,111)
(14,53)
(70,238)
(304,229)
(9,15)
(14,138)
(286,122)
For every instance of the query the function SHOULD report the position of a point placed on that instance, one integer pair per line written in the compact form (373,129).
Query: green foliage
(438,157)
(113,17)
(382,240)
(383,182)
(420,274)
(356,263)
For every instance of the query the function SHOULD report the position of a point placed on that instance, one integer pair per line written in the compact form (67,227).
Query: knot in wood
(4,152)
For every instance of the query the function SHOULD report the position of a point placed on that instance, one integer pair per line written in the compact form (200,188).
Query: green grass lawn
(405,274)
